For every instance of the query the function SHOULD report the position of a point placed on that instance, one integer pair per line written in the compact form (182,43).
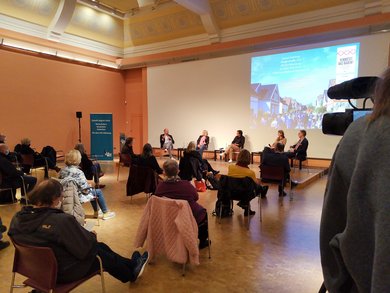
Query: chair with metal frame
(40,266)
(274,174)
(28,160)
(141,179)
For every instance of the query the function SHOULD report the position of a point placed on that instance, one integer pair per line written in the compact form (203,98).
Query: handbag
(200,185)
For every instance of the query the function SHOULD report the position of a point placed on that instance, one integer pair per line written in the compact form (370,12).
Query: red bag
(200,186)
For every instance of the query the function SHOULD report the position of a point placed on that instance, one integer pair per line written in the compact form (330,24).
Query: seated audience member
(237,144)
(75,248)
(39,160)
(91,169)
(202,143)
(147,159)
(2,138)
(193,166)
(3,244)
(175,188)
(70,203)
(299,150)
(354,229)
(128,147)
(11,156)
(241,170)
(167,142)
(85,191)
(11,177)
(278,159)
(280,139)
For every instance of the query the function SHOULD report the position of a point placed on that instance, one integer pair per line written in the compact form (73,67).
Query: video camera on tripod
(357,88)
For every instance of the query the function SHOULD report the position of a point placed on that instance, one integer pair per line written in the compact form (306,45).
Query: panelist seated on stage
(202,143)
(299,150)
(278,159)
(237,144)
(167,142)
(280,139)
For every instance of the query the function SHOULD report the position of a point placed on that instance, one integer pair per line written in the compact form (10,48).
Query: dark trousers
(16,182)
(117,266)
(203,232)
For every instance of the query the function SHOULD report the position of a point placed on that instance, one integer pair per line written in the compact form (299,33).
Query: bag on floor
(226,210)
(200,186)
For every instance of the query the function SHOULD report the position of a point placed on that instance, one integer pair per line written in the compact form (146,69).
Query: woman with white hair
(85,191)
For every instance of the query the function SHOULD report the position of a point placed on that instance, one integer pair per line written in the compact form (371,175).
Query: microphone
(357,88)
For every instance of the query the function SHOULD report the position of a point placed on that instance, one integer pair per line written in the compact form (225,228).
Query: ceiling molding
(61,20)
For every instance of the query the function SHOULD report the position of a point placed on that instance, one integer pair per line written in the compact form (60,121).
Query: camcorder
(357,88)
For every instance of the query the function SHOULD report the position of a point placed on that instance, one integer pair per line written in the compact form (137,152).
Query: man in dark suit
(167,141)
(278,159)
(11,177)
(299,150)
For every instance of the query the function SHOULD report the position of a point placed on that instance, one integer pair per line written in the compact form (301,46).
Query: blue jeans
(100,200)
(201,150)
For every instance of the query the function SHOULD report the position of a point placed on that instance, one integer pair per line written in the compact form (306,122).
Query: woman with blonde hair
(85,191)
(202,143)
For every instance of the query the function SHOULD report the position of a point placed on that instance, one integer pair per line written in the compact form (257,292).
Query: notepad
(89,225)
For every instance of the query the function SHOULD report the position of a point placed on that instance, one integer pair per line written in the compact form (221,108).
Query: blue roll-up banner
(102,136)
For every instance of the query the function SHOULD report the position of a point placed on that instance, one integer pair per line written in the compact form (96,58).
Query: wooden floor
(281,254)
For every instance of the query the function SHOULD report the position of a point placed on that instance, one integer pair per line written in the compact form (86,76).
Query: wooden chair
(124,161)
(28,160)
(236,189)
(39,265)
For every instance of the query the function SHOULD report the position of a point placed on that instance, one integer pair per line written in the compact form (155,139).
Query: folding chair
(141,179)
(39,265)
(274,174)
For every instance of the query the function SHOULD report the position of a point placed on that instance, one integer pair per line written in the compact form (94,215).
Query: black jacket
(74,247)
(148,162)
(190,166)
(162,139)
(301,152)
(240,140)
(8,170)
(276,160)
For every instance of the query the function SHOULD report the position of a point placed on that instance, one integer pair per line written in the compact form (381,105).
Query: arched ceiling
(131,28)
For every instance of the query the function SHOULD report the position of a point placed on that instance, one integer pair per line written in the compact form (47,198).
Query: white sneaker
(108,215)
(98,214)
(230,161)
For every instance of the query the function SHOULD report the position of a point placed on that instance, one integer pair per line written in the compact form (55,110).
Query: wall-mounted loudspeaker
(79,114)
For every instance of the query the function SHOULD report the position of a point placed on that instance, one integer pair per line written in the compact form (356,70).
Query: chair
(141,179)
(236,189)
(6,188)
(169,229)
(124,161)
(39,265)
(28,160)
(300,159)
(274,174)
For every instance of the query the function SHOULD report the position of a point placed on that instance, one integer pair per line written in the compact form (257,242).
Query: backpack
(226,210)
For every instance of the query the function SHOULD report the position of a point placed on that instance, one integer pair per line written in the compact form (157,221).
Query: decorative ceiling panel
(95,25)
(230,13)
(39,12)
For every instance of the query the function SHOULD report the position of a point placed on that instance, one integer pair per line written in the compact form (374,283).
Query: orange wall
(39,98)
(136,107)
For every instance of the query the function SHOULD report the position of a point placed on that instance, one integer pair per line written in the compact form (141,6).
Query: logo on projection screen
(289,90)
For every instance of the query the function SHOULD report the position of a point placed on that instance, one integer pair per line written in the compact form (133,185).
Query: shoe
(100,186)
(108,215)
(204,244)
(215,172)
(264,191)
(230,161)
(135,254)
(98,214)
(140,266)
(101,174)
(241,205)
(283,193)
(57,169)
(251,213)
(3,229)
(293,183)
(23,201)
(4,244)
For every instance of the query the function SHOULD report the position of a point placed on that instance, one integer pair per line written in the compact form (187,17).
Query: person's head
(48,193)
(171,168)
(239,133)
(80,148)
(190,147)
(129,141)
(244,158)
(3,138)
(382,97)
(147,150)
(279,148)
(25,141)
(205,133)
(4,149)
(302,133)
(73,158)
(281,133)
(166,130)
